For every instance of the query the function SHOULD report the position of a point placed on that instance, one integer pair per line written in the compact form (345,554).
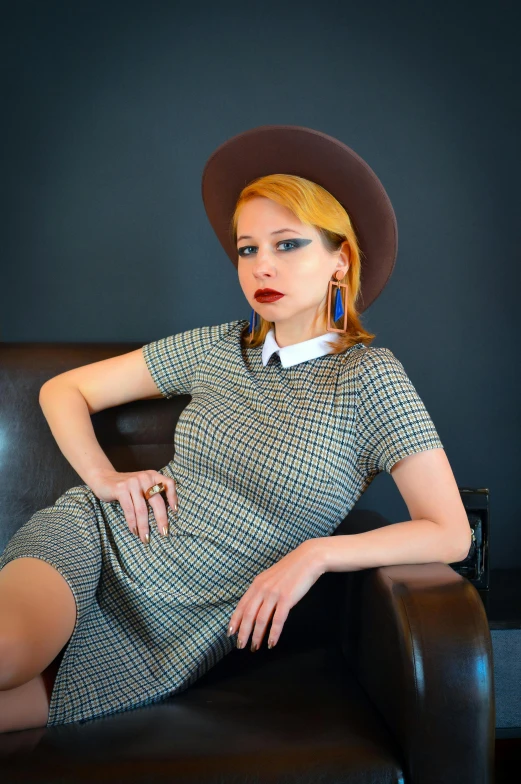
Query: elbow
(42,392)
(48,384)
(460,554)
(44,386)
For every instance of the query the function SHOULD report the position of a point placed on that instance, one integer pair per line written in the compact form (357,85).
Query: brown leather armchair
(380,675)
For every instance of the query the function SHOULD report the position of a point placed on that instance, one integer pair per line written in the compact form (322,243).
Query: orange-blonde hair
(314,206)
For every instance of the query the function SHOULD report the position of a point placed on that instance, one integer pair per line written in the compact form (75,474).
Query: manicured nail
(134,531)
(147,538)
(270,644)
(253,647)
(165,530)
(239,643)
(230,631)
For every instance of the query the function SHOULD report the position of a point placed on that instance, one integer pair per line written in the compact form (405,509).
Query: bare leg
(37,617)
(25,706)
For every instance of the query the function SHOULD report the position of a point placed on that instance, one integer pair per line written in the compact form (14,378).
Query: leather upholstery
(380,675)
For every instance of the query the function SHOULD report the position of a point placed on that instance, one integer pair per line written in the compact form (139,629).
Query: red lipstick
(267,295)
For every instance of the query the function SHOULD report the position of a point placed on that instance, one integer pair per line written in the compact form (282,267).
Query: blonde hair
(314,206)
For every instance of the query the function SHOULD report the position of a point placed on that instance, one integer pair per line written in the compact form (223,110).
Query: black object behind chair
(380,675)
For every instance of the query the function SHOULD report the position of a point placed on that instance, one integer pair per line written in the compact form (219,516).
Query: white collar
(298,352)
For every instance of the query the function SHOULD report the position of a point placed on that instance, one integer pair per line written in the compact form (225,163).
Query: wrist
(97,477)
(318,549)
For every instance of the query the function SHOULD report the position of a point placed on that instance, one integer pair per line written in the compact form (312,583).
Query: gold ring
(157,488)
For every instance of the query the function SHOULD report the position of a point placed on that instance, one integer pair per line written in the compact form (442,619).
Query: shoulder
(207,335)
(193,343)
(367,362)
(373,371)
(376,360)
(215,332)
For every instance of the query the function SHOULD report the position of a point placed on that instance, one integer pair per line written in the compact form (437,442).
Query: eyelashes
(294,243)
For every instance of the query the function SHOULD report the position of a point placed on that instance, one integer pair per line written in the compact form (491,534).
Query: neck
(287,332)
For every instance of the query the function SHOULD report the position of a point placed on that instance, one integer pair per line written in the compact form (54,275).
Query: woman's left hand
(273,593)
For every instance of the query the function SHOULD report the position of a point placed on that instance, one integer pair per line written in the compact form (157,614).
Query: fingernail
(165,530)
(253,647)
(230,631)
(134,531)
(239,643)
(147,538)
(270,644)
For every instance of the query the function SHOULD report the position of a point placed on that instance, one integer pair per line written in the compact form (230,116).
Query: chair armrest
(419,643)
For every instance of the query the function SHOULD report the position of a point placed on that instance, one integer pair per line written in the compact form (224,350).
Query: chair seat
(270,714)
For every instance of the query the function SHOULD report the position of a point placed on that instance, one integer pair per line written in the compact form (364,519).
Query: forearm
(410,542)
(68,416)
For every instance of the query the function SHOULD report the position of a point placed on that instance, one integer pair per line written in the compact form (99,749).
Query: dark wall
(111,109)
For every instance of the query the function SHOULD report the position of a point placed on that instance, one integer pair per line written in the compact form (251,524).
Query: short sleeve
(392,421)
(172,361)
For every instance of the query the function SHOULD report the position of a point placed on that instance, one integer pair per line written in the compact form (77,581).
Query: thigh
(37,617)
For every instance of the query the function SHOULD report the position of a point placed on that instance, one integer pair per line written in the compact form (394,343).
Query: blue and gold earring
(253,323)
(339,306)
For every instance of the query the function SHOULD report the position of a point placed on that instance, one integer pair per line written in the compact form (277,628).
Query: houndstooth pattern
(265,458)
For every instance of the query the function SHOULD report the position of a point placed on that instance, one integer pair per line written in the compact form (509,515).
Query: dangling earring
(253,324)
(340,310)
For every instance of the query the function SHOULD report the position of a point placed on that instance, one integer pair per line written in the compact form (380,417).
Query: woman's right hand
(129,487)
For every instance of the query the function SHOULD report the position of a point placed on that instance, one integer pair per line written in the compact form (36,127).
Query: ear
(344,256)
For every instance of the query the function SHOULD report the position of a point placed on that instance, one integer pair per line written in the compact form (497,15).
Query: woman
(107,604)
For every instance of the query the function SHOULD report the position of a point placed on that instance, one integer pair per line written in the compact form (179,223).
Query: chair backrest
(33,471)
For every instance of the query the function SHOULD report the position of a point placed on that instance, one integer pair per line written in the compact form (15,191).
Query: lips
(267,295)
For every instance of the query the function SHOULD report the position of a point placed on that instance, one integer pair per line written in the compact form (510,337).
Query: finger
(237,615)
(159,509)
(264,617)
(151,478)
(279,619)
(156,501)
(171,490)
(126,504)
(141,509)
(248,620)
(235,620)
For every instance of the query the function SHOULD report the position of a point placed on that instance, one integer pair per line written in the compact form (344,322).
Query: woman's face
(277,251)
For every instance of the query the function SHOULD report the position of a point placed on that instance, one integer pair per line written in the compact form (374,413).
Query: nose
(263,264)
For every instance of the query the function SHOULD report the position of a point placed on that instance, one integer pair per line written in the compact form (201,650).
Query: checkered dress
(265,458)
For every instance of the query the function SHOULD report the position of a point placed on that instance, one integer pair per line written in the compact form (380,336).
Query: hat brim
(316,156)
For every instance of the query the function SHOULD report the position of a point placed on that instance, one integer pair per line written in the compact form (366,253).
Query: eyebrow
(279,231)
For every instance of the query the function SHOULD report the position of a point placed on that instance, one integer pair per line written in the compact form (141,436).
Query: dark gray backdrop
(111,109)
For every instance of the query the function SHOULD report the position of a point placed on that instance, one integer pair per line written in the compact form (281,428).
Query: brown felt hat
(293,149)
